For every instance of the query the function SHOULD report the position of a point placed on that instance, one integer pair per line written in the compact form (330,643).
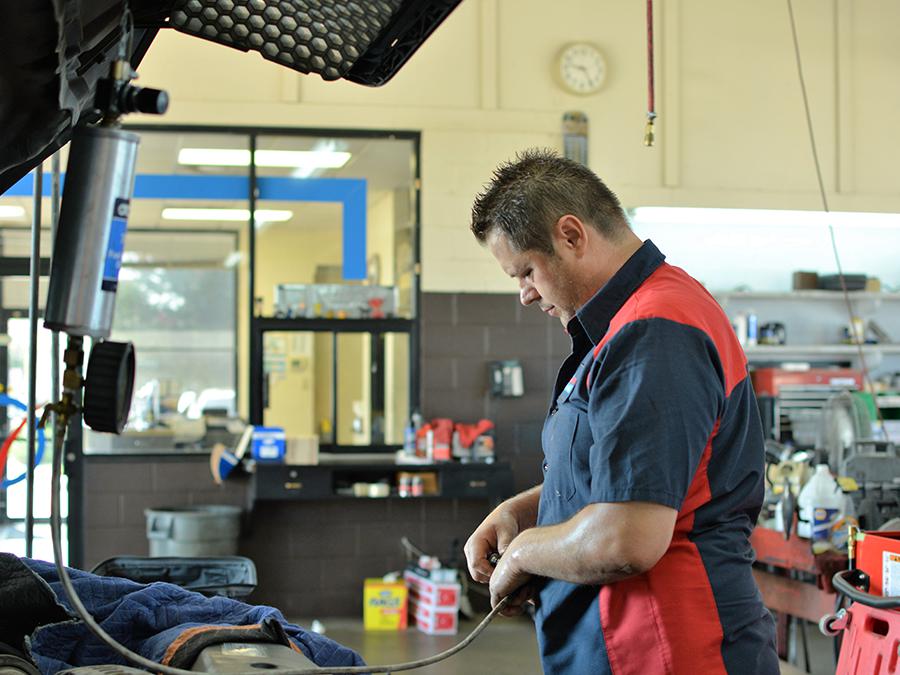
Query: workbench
(795,584)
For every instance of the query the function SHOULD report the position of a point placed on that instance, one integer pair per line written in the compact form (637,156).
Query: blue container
(268,445)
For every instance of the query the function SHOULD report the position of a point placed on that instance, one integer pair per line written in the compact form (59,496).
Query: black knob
(109,386)
(143,99)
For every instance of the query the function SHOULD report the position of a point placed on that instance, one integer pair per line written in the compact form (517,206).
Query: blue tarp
(147,618)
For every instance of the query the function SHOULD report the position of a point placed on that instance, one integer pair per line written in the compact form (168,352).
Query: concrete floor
(506,647)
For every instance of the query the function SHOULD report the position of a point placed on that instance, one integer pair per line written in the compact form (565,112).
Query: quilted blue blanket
(147,619)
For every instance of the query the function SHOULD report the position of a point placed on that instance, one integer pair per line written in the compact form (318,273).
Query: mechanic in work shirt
(635,548)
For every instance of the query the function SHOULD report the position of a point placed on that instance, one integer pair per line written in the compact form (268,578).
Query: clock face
(582,68)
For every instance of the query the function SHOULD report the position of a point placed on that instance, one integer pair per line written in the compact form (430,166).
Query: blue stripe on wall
(349,192)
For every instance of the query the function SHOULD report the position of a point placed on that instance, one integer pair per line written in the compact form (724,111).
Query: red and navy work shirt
(654,404)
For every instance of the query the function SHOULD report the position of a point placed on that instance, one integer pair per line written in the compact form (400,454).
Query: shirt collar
(595,315)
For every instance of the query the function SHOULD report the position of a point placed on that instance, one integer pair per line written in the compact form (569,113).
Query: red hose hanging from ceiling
(651,98)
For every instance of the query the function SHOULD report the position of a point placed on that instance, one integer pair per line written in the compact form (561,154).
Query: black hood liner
(53,52)
(53,55)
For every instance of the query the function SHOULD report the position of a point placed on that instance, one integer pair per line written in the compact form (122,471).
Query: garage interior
(318,337)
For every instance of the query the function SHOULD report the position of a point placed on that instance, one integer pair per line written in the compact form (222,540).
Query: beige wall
(731,128)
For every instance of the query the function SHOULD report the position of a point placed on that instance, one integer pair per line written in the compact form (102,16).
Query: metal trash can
(193,531)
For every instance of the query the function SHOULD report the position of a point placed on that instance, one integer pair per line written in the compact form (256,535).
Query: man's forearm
(599,545)
(525,506)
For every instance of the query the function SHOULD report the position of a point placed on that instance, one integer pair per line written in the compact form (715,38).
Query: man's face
(542,278)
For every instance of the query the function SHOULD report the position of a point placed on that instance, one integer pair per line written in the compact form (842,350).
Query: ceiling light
(235,215)
(664,215)
(291,159)
(11,211)
(233,259)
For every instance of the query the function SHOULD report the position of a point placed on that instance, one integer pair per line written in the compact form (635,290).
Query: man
(635,548)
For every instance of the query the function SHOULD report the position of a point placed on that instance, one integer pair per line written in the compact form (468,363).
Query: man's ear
(570,233)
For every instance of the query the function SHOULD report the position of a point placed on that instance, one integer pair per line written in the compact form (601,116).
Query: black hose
(152,666)
(846,583)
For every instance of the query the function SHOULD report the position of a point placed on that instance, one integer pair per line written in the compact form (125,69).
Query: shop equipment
(869,628)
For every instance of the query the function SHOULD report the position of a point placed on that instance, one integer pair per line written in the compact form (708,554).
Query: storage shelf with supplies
(845,351)
(812,294)
(812,325)
(322,481)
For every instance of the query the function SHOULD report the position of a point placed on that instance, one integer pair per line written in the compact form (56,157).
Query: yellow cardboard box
(384,605)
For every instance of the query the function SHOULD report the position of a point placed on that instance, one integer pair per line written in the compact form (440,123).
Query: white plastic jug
(820,503)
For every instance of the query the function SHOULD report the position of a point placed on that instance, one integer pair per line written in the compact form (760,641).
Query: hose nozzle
(649,135)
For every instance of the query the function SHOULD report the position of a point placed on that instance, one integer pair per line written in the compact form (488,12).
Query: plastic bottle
(739,323)
(839,532)
(752,329)
(409,438)
(820,503)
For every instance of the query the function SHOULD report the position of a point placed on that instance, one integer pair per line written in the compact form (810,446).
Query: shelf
(803,295)
(392,325)
(888,400)
(781,351)
(455,480)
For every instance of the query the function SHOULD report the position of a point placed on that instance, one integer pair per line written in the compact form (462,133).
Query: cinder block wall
(312,556)
(461,334)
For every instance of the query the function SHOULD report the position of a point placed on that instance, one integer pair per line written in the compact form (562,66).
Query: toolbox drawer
(477,480)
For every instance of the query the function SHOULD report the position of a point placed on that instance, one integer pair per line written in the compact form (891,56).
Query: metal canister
(404,488)
(418,487)
(90,240)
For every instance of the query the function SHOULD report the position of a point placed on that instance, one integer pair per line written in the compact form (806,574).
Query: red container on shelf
(769,381)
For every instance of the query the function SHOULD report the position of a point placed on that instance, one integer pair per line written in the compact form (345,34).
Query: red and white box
(436,594)
(435,604)
(435,621)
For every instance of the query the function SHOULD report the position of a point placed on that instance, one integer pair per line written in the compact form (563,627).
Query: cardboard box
(435,604)
(302,450)
(802,281)
(268,445)
(431,593)
(435,621)
(384,605)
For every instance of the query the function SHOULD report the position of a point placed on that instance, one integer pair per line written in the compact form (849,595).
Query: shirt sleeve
(656,392)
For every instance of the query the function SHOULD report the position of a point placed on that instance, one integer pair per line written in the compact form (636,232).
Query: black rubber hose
(843,583)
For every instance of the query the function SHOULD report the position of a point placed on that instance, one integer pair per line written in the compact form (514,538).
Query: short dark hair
(528,195)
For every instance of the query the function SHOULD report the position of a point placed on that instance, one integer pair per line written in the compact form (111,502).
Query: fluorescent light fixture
(233,259)
(11,211)
(236,215)
(290,159)
(665,215)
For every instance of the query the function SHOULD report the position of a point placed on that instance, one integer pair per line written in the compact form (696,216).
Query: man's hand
(497,531)
(510,579)
(492,536)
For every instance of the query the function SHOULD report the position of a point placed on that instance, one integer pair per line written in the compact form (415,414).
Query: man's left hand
(510,579)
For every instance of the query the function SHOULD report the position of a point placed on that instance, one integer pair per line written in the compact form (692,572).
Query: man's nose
(528,294)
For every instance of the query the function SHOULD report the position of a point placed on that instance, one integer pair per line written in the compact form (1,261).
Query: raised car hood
(55,51)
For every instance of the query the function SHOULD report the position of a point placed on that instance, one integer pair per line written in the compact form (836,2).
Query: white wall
(731,127)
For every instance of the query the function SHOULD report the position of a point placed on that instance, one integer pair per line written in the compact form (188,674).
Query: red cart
(871,624)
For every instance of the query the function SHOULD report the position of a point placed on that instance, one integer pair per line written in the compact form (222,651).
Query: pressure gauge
(581,68)
(108,386)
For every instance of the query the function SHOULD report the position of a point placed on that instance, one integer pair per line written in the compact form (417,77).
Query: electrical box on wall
(506,379)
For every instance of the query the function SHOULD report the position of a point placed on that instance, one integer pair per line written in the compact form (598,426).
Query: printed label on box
(384,605)
(890,575)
